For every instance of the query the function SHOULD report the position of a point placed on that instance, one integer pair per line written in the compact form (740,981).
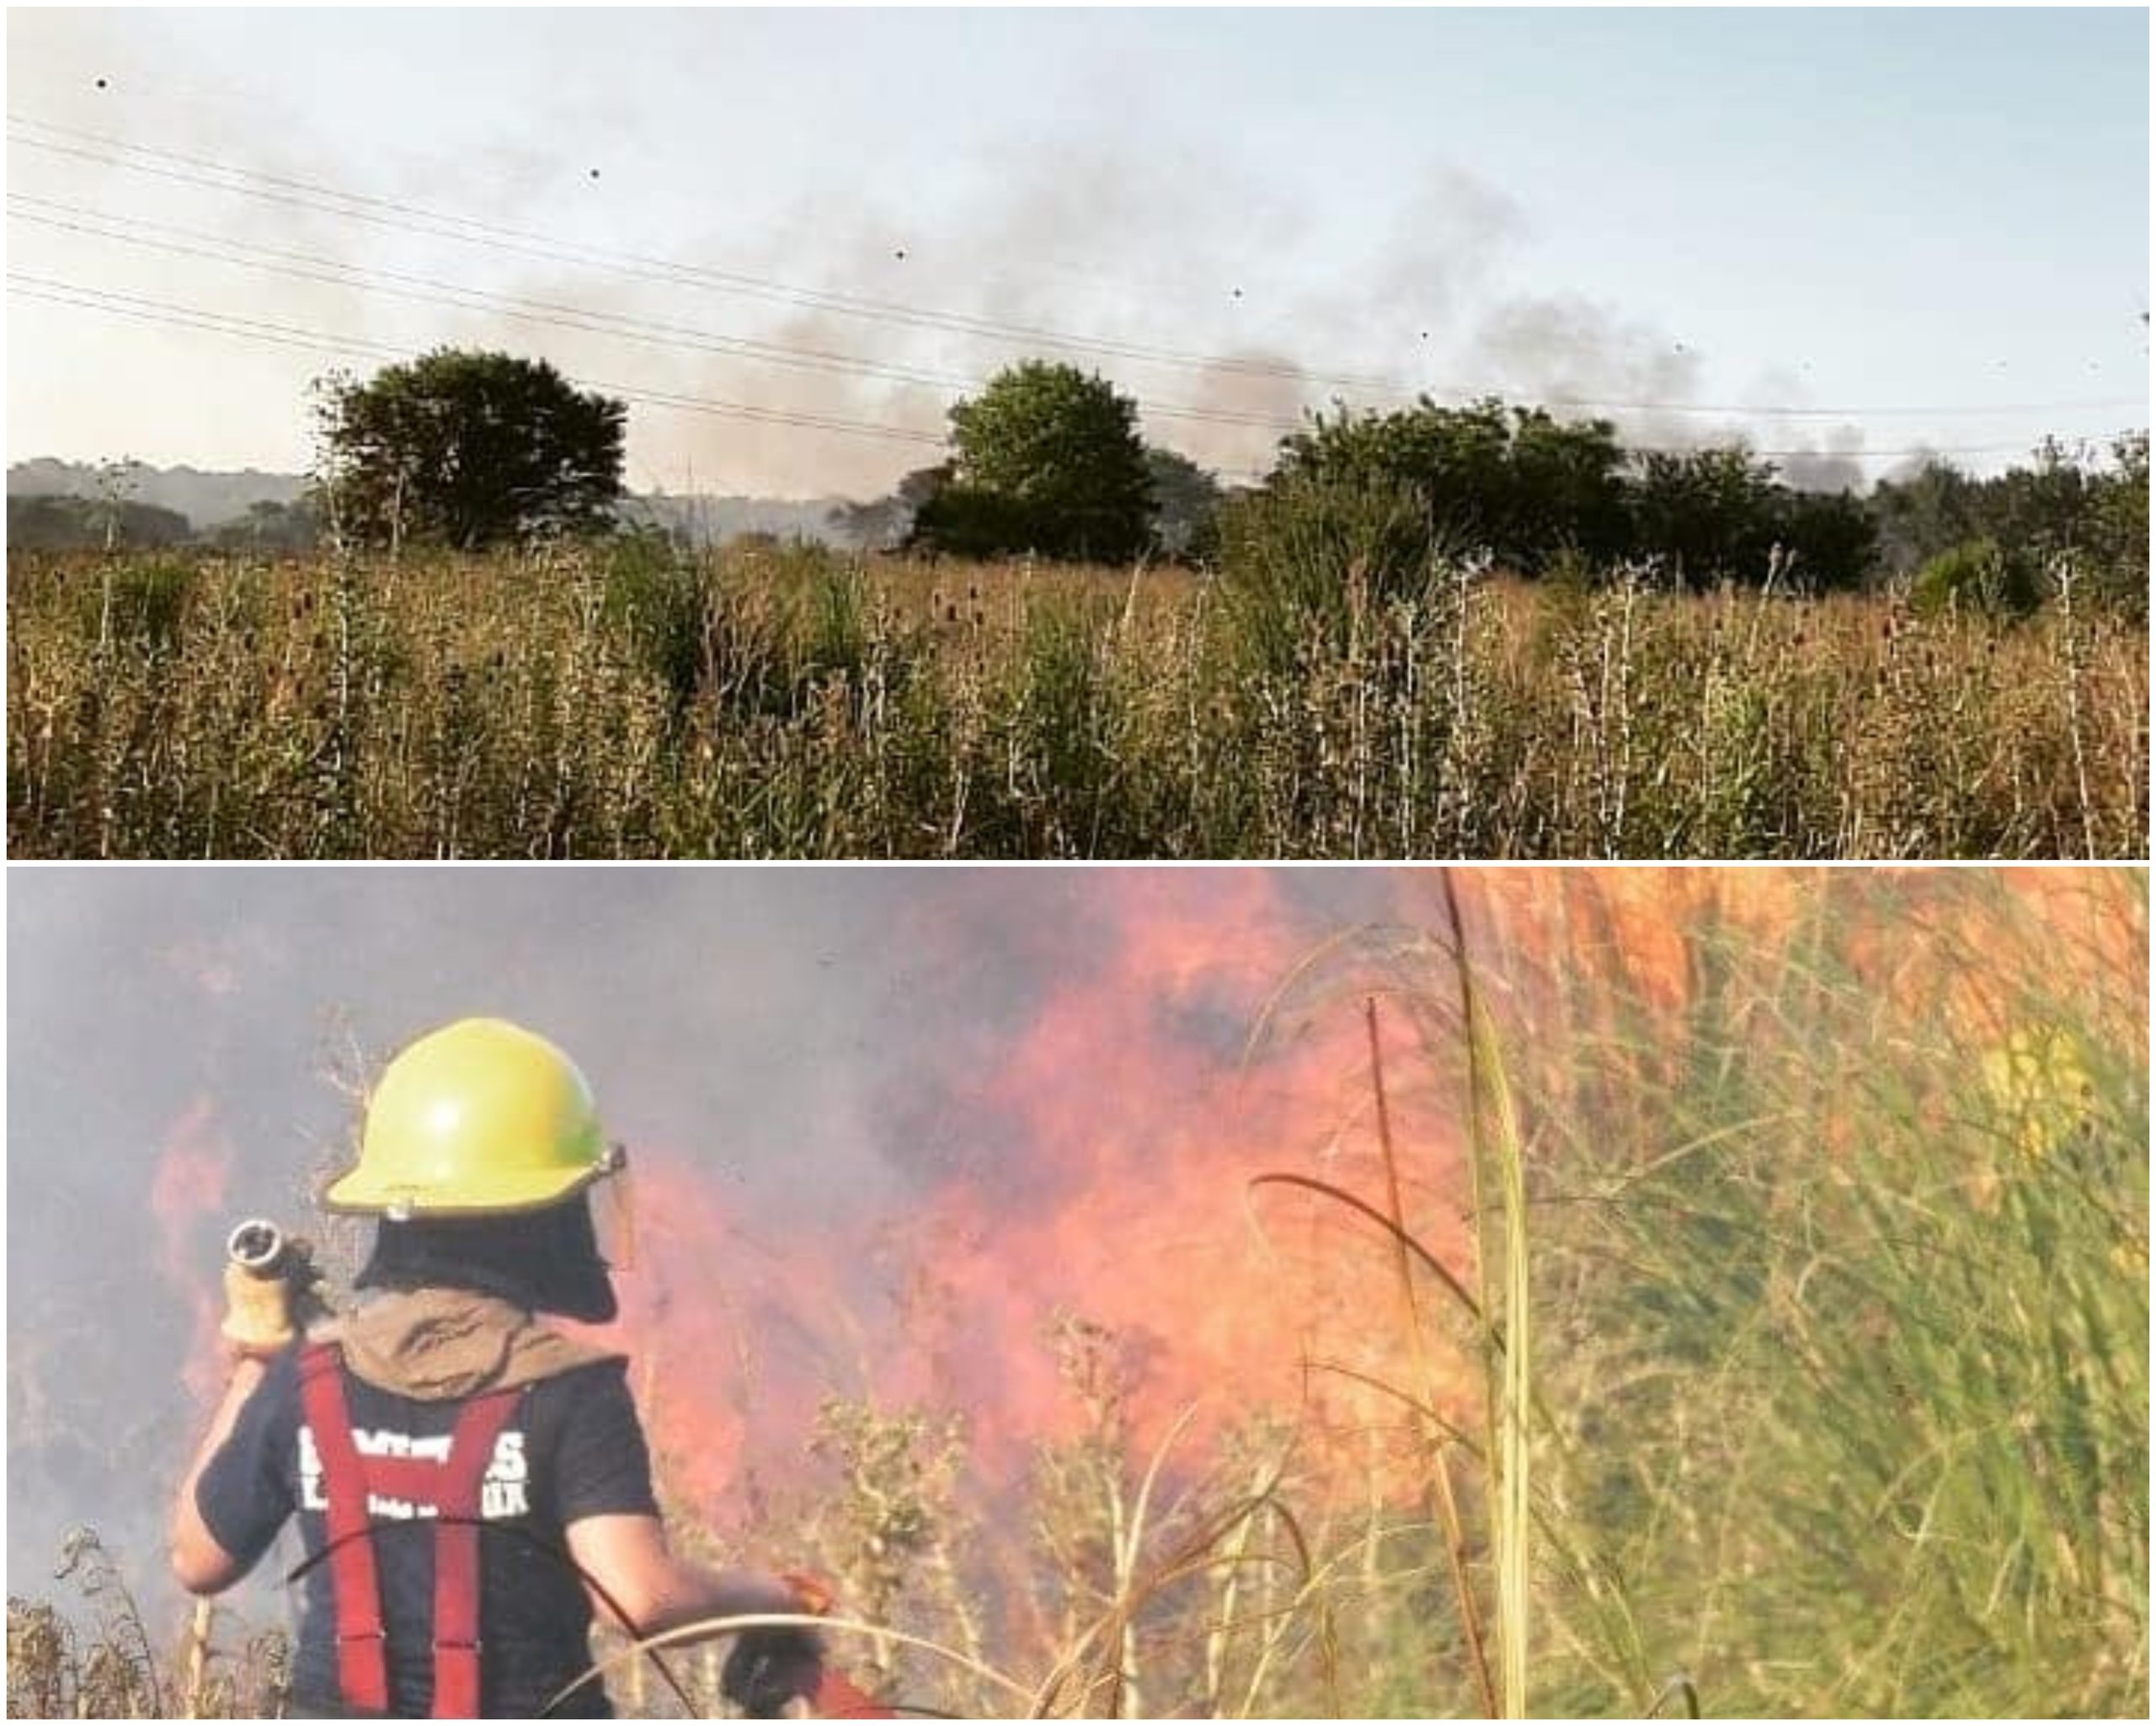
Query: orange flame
(187,1185)
(1094,1153)
(1105,1149)
(1100,1151)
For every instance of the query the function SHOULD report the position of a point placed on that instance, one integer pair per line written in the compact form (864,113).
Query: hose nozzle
(257,1245)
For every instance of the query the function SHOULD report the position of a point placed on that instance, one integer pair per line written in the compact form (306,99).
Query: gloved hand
(266,1309)
(768,1667)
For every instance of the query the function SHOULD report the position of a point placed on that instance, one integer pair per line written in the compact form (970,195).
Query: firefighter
(471,1485)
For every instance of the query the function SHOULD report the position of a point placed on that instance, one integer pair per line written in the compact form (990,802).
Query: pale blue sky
(1876,211)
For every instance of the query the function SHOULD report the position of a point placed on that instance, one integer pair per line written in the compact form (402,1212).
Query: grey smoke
(1832,466)
(1161,241)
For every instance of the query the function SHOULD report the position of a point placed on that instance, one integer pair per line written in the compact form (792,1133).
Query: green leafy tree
(2042,507)
(269,526)
(2118,526)
(1980,576)
(1829,538)
(2062,505)
(1933,510)
(1513,481)
(1710,512)
(1048,460)
(44,522)
(466,450)
(884,523)
(1566,490)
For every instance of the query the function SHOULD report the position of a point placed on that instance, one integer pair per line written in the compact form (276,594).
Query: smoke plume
(1167,265)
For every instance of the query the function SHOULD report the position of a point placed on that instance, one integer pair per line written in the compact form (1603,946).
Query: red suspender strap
(362,1671)
(453,1488)
(456,1553)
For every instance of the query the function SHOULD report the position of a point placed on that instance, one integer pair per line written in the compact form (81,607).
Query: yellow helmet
(482,1116)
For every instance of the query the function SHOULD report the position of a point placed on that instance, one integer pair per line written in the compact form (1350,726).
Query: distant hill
(47,522)
(211,500)
(208,499)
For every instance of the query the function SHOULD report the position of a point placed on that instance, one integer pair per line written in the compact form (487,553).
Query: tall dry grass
(626,701)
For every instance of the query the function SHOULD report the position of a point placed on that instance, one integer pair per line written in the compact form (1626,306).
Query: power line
(164,312)
(222,98)
(314,267)
(432,290)
(146,310)
(334,272)
(472,231)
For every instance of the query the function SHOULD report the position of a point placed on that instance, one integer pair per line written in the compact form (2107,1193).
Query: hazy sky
(1934,224)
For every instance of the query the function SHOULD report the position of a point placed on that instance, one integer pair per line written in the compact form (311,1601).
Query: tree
(1566,490)
(2118,528)
(269,526)
(466,450)
(1047,460)
(1514,482)
(885,523)
(1933,510)
(1711,512)
(1828,537)
(2069,510)
(1980,577)
(43,521)
(1186,504)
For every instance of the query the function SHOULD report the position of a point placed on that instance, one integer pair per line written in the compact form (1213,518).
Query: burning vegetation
(1595,1291)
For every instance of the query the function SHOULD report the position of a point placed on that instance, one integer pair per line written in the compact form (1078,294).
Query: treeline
(467,450)
(1049,462)
(1532,492)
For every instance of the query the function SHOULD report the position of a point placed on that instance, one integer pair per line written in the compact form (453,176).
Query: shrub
(655,601)
(1978,575)
(1307,553)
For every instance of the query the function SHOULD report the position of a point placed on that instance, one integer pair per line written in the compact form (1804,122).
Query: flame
(187,1184)
(1100,1148)
(1167,1039)
(1105,1146)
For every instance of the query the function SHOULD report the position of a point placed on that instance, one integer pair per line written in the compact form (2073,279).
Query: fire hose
(272,1288)
(265,1253)
(257,1245)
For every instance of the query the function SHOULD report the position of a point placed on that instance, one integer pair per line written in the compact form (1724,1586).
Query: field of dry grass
(623,702)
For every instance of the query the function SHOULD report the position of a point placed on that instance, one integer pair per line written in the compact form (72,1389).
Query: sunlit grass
(630,703)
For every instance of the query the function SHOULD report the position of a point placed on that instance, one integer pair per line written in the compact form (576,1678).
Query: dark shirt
(572,1449)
